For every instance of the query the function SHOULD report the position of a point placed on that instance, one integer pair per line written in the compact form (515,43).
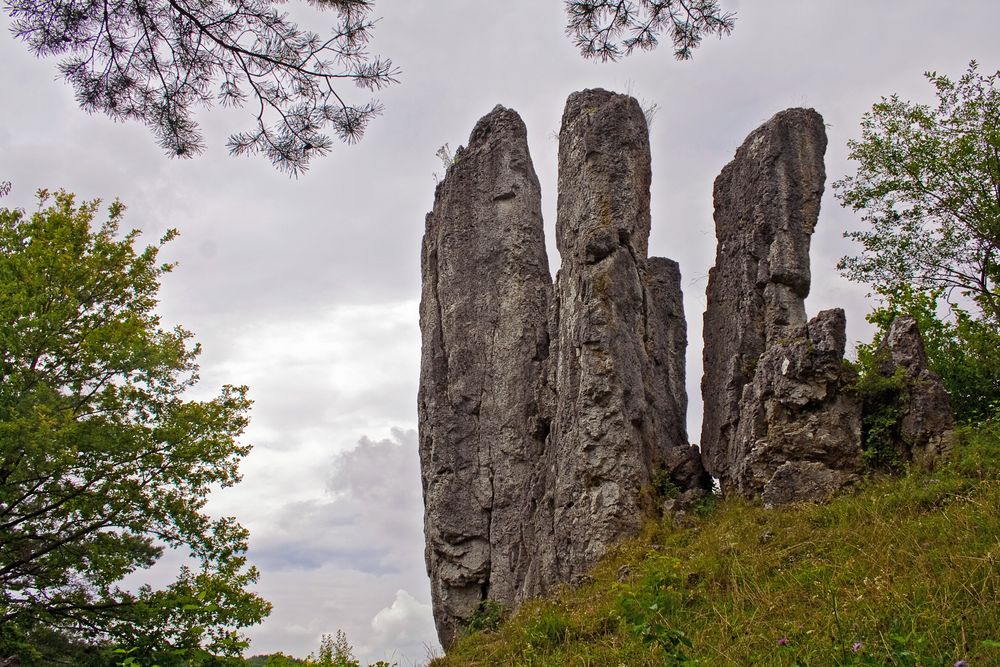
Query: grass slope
(902,571)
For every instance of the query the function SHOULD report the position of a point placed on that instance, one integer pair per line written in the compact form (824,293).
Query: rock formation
(547,414)
(766,207)
(799,431)
(925,427)
(483,316)
(544,418)
(617,413)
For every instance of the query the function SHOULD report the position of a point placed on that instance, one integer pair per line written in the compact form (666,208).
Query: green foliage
(274,660)
(103,463)
(488,616)
(883,398)
(647,607)
(806,585)
(926,183)
(663,485)
(338,652)
(963,351)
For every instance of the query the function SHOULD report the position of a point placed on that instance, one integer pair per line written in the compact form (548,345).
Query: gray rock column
(927,422)
(484,325)
(609,435)
(766,207)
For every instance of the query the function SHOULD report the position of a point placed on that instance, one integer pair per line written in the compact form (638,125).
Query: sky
(307,289)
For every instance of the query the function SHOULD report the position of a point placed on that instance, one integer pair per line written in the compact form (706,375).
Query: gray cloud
(362,529)
(369,521)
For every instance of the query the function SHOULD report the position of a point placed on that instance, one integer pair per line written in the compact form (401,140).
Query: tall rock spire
(545,418)
(766,207)
(617,416)
(484,322)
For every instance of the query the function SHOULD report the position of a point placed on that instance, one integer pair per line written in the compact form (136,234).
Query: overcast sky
(307,289)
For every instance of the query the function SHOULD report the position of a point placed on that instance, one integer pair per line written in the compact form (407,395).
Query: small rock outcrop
(484,320)
(545,414)
(766,206)
(799,432)
(927,420)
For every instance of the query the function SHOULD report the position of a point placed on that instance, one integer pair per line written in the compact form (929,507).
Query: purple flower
(961,663)
(784,642)
(856,646)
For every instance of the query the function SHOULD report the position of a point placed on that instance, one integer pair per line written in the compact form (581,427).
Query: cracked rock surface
(484,323)
(621,403)
(767,203)
(925,430)
(799,433)
(545,413)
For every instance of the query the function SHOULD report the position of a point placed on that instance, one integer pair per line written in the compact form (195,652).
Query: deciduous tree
(928,187)
(104,462)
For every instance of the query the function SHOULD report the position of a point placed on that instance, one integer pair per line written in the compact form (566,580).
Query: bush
(963,351)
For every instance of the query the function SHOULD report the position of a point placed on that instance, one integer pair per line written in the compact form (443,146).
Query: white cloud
(406,624)
(350,544)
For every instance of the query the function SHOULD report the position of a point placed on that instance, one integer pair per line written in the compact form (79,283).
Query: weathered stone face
(666,347)
(483,316)
(543,417)
(927,418)
(766,207)
(799,432)
(619,413)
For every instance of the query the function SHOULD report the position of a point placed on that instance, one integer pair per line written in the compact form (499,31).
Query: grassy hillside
(902,571)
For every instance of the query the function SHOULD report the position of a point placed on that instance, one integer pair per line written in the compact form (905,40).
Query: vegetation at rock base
(104,464)
(962,350)
(902,571)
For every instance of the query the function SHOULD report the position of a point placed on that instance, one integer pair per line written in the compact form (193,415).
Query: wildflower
(784,642)
(961,663)
(856,646)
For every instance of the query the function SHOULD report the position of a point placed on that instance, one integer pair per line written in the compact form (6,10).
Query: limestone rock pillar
(484,323)
(618,414)
(766,207)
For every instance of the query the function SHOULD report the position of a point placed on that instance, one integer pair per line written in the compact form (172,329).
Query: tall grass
(900,571)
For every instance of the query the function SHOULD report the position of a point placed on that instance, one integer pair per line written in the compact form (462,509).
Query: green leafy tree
(103,462)
(338,652)
(335,652)
(928,185)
